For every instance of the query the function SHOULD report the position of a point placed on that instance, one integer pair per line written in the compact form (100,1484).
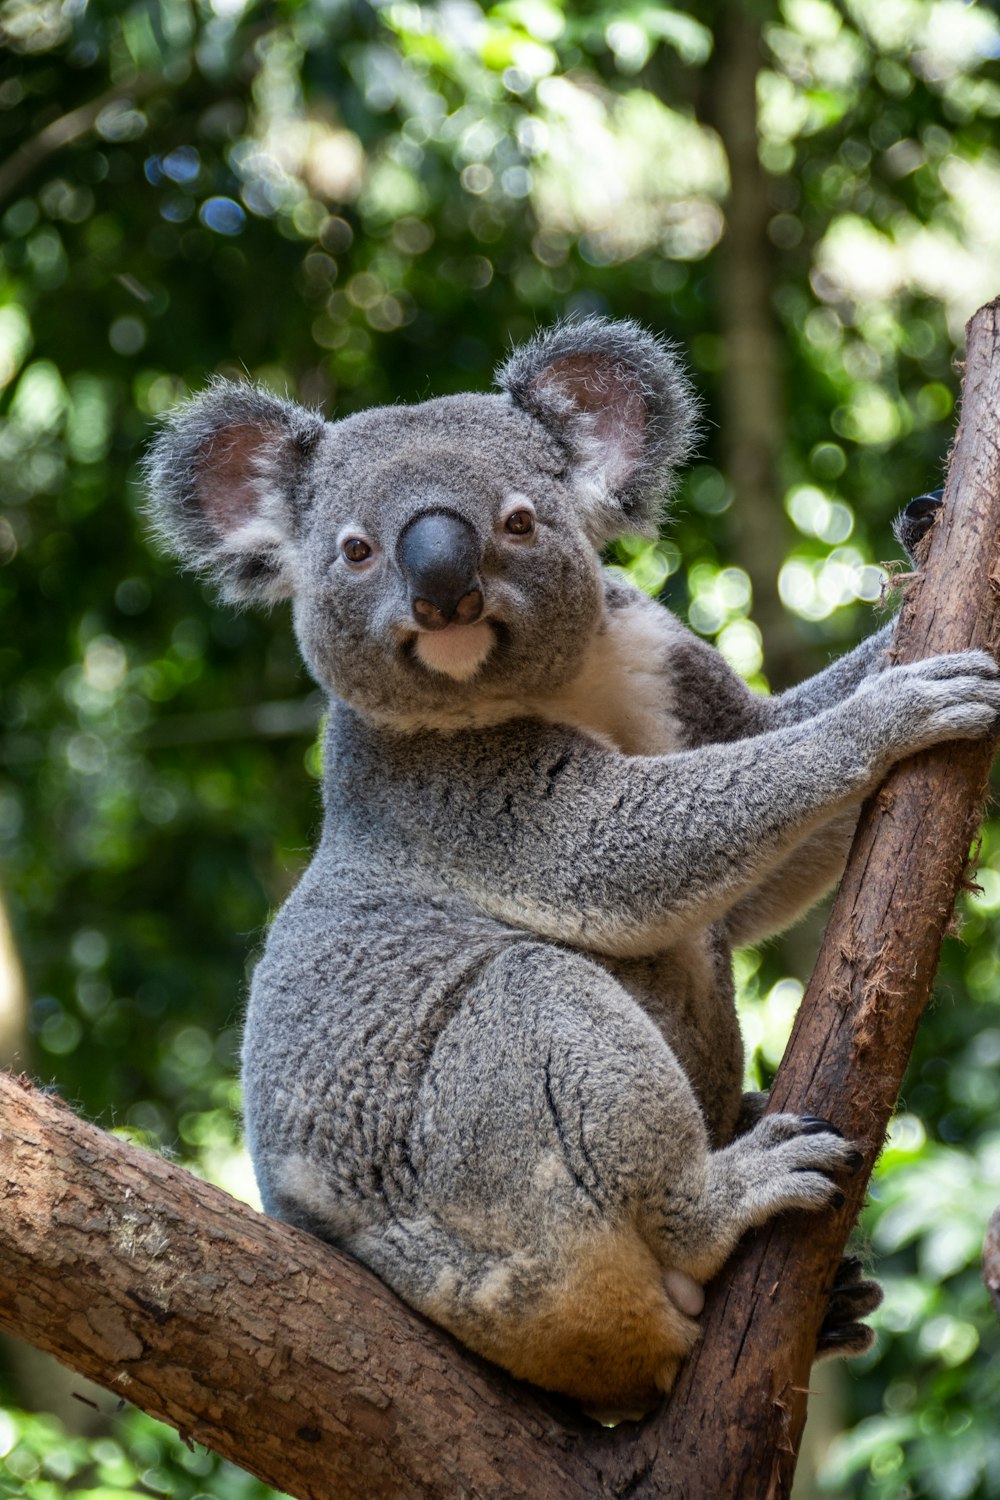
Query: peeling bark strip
(295,1362)
(736,1417)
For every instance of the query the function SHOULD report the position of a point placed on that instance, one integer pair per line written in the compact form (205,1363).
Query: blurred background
(359,203)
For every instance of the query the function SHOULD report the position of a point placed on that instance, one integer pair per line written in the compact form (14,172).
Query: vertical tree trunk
(752,384)
(854,1032)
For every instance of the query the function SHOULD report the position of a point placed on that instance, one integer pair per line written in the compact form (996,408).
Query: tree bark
(247,1335)
(854,1032)
(292,1360)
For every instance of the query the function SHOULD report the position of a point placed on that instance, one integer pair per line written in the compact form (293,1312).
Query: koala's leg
(560,1144)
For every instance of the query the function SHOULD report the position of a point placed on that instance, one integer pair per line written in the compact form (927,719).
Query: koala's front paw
(793,1157)
(852,1297)
(916,519)
(908,708)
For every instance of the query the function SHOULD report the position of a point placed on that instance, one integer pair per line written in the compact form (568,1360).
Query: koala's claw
(917,518)
(852,1297)
(816,1125)
(923,508)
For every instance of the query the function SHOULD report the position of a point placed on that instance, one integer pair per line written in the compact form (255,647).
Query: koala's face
(440,556)
(445,558)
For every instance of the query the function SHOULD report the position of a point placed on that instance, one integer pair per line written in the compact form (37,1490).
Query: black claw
(843,1333)
(838,1200)
(849,1272)
(925,507)
(854,1161)
(852,1298)
(851,1303)
(850,1338)
(816,1125)
(917,518)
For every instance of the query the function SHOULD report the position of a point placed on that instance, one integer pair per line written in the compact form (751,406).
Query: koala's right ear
(224,479)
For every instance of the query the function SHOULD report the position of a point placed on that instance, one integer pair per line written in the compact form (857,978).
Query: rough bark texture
(292,1360)
(247,1335)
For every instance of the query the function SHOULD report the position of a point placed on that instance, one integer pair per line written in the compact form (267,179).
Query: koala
(491,1046)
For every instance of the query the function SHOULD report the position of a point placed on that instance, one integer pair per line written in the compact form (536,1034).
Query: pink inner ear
(611,394)
(230,474)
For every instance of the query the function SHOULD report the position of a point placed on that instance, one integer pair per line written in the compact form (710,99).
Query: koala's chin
(458,651)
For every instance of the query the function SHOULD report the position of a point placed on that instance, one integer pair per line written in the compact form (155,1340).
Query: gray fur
(493,1028)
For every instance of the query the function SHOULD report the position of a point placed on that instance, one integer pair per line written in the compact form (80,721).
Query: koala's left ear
(619,399)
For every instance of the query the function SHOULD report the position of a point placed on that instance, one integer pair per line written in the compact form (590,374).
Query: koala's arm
(714,704)
(835,683)
(547,831)
(718,706)
(794,885)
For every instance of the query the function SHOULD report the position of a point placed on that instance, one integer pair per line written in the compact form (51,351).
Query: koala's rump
(486,1132)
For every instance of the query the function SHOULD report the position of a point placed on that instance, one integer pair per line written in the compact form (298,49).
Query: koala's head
(443,555)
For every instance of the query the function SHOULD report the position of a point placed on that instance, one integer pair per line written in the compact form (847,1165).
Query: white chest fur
(621,695)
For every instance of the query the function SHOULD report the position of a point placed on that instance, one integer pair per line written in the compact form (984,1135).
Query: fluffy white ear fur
(242,496)
(604,399)
(619,400)
(225,485)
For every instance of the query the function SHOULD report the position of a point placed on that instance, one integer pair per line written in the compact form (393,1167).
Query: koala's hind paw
(793,1157)
(916,519)
(852,1297)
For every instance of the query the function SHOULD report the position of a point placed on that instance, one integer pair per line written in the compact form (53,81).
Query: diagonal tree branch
(247,1335)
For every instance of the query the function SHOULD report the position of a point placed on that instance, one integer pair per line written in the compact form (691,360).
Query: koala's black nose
(438,555)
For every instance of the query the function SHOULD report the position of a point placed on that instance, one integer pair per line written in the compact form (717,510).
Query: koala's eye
(355,550)
(520,523)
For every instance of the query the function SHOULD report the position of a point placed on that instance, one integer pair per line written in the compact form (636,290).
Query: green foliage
(365,202)
(38,1461)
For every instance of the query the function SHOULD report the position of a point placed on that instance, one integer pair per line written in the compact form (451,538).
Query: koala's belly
(688,993)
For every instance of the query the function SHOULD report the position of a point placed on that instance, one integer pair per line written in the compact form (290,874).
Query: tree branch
(247,1335)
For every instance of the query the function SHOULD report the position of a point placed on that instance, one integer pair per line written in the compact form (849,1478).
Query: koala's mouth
(458,651)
